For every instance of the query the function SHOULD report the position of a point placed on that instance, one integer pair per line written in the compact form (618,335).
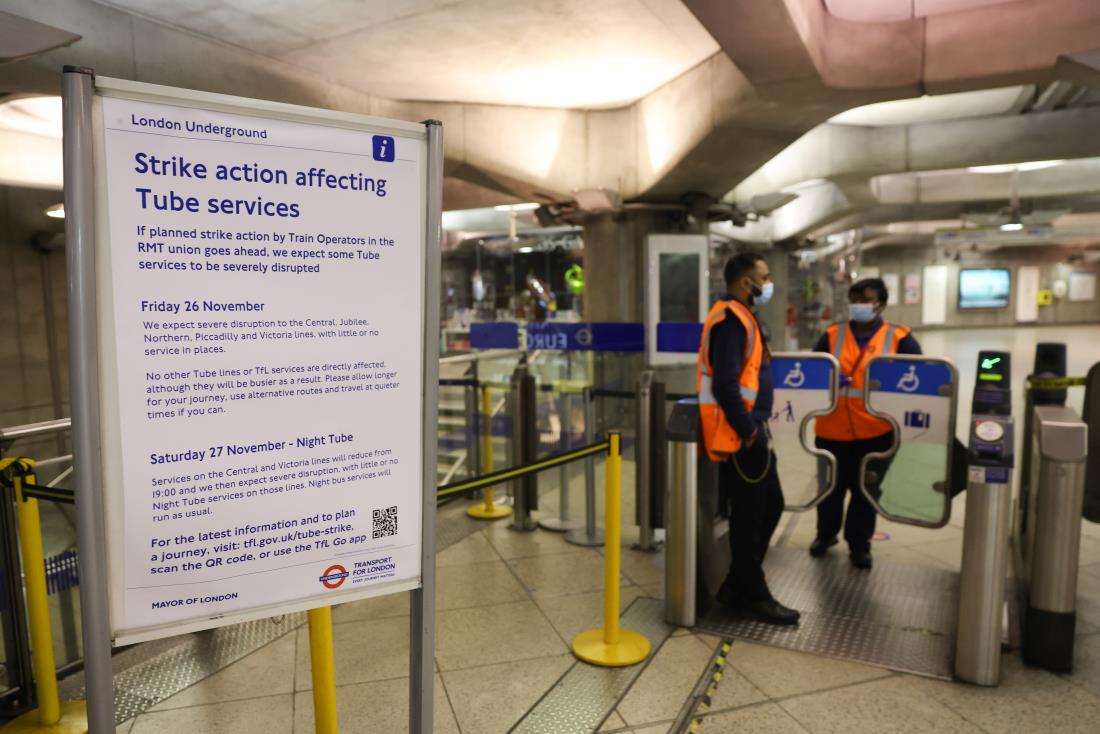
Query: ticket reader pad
(991,428)
(990,458)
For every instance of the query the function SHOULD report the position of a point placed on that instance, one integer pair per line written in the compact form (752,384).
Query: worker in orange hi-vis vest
(850,432)
(735,403)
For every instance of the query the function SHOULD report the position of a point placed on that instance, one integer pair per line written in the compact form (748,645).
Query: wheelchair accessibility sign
(918,393)
(803,384)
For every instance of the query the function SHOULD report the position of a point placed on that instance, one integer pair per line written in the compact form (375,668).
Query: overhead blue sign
(494,335)
(807,373)
(679,336)
(911,378)
(598,337)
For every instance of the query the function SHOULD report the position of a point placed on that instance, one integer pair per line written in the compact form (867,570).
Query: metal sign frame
(84,226)
(804,424)
(944,486)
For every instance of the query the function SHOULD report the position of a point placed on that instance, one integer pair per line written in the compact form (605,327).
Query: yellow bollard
(488,510)
(324,670)
(612,647)
(50,716)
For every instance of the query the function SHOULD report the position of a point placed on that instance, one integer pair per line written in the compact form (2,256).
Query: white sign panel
(1027,294)
(261,320)
(934,303)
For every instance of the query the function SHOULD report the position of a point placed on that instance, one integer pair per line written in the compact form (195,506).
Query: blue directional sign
(793,373)
(910,378)
(679,336)
(596,337)
(494,335)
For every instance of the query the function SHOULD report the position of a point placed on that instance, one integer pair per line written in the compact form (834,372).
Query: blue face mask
(764,295)
(861,313)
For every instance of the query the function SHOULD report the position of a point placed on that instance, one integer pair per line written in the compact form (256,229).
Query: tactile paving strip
(586,694)
(896,616)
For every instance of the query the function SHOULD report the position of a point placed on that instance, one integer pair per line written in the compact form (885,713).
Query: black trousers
(754,510)
(860,523)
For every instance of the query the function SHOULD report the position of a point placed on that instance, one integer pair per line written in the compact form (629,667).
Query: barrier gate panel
(918,396)
(805,385)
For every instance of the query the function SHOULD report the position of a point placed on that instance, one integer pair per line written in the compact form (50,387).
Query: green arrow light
(988,364)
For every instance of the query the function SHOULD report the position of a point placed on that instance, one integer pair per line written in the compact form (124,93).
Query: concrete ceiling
(543,53)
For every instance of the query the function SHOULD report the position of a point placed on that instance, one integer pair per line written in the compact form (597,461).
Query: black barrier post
(525,446)
(1091,415)
(17,646)
(649,451)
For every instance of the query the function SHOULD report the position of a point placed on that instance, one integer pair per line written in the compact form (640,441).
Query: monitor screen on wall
(984,288)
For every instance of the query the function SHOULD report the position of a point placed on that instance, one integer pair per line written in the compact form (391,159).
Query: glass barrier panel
(805,386)
(918,397)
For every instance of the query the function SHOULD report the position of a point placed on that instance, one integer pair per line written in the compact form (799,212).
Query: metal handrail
(43,428)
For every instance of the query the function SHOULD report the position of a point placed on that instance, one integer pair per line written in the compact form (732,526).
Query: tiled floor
(510,603)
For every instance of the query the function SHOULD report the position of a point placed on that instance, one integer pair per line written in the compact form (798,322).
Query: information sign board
(261,317)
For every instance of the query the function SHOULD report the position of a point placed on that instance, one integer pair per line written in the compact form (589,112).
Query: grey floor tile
(124,727)
(895,704)
(268,715)
(1086,664)
(656,591)
(661,689)
(477,585)
(947,552)
(371,650)
(658,729)
(613,722)
(486,635)
(576,613)
(379,607)
(474,549)
(780,673)
(511,544)
(765,718)
(562,573)
(369,708)
(268,671)
(492,698)
(909,555)
(1027,700)
(643,567)
(734,690)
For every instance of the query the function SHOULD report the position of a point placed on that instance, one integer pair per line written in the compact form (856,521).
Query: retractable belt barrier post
(591,535)
(51,715)
(323,666)
(525,447)
(649,459)
(488,510)
(612,646)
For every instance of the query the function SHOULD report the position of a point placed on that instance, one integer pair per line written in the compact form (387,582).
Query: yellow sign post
(612,646)
(488,510)
(51,715)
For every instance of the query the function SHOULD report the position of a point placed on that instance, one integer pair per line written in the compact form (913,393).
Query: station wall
(1055,263)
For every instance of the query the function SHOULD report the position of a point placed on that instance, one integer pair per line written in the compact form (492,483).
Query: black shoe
(821,546)
(769,611)
(861,559)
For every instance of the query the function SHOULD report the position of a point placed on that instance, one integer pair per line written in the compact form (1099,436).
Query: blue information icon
(384,148)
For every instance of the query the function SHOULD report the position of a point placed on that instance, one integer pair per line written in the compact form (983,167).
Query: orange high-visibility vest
(851,421)
(719,437)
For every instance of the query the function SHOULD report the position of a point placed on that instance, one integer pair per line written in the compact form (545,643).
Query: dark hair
(741,265)
(871,284)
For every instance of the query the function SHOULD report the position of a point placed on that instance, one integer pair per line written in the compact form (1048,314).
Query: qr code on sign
(385,522)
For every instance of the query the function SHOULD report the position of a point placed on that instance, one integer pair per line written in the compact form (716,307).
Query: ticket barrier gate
(1050,507)
(697,527)
(908,484)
